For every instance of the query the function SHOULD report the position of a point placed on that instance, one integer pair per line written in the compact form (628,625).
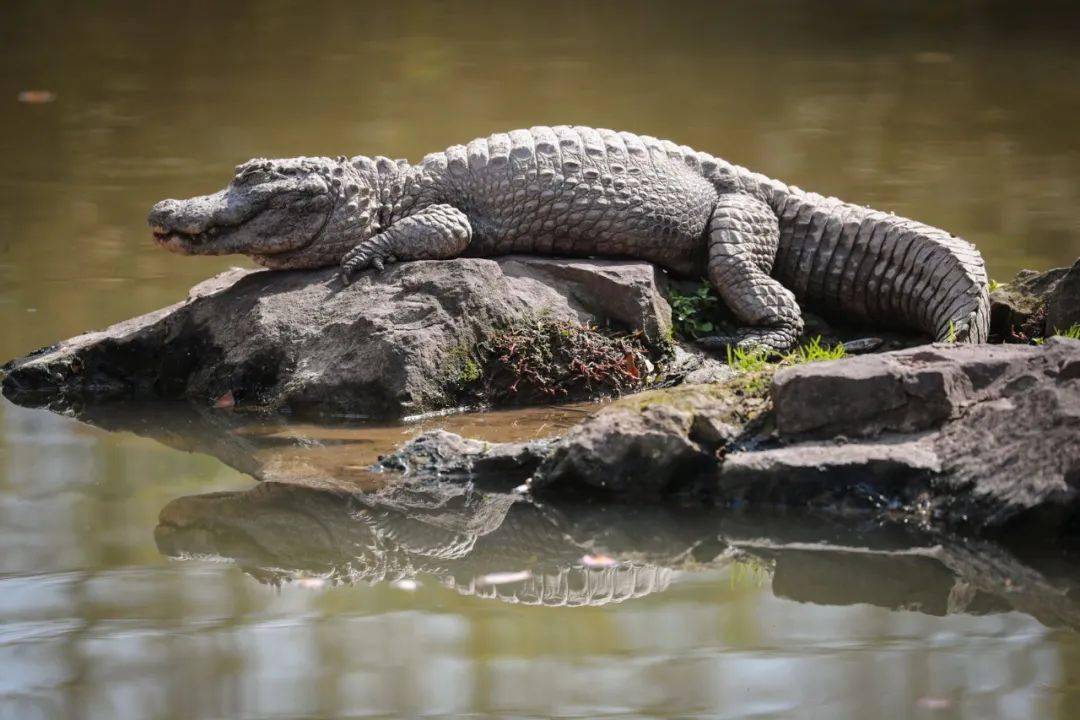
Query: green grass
(748,359)
(994,284)
(814,351)
(1072,333)
(751,360)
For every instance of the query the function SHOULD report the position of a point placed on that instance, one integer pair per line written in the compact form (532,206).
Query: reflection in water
(499,546)
(376,598)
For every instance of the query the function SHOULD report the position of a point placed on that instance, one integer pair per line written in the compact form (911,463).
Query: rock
(905,391)
(998,425)
(982,436)
(1063,303)
(692,367)
(643,446)
(1016,309)
(300,341)
(448,455)
(828,473)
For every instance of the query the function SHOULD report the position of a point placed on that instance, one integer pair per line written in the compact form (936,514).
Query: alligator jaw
(185,243)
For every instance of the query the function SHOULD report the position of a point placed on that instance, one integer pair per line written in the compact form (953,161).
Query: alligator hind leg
(743,237)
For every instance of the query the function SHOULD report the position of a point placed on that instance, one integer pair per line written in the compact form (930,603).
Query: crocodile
(764,246)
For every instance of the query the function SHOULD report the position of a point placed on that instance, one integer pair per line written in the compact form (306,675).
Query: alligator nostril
(162,212)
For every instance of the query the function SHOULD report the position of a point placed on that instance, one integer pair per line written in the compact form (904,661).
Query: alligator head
(290,213)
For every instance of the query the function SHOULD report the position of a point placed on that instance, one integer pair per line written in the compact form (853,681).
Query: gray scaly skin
(577,191)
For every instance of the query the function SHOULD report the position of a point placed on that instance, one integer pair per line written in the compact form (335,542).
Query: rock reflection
(503,547)
(321,515)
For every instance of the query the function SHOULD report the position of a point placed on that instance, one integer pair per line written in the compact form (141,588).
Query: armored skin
(575,191)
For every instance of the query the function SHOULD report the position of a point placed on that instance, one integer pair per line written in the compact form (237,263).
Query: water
(256,603)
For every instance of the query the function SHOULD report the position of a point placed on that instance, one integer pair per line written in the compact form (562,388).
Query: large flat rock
(301,341)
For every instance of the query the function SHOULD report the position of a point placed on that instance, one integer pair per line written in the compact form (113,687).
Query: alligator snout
(163,215)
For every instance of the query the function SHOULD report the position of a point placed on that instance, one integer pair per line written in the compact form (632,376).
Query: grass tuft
(1073,333)
(814,351)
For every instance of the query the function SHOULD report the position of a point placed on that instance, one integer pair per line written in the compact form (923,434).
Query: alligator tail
(873,266)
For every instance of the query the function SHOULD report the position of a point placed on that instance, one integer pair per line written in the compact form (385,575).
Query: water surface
(257,603)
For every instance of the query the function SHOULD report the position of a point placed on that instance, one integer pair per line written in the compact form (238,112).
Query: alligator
(764,246)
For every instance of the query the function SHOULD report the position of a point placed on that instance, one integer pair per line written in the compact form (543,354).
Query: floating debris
(406,584)
(503,578)
(598,561)
(36,97)
(934,703)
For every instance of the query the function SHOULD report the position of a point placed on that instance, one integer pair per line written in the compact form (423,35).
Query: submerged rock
(392,344)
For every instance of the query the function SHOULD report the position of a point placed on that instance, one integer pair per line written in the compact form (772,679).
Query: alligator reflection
(501,546)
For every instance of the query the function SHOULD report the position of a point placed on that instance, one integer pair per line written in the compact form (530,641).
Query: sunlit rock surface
(383,347)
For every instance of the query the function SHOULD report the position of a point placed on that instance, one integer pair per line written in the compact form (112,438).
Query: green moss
(462,368)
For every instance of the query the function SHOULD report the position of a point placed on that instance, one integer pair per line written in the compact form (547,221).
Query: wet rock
(643,446)
(1017,310)
(300,341)
(830,472)
(448,455)
(983,436)
(1063,303)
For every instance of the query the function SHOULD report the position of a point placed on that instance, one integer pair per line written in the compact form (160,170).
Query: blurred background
(960,114)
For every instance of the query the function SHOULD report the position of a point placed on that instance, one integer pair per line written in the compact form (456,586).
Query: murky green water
(257,603)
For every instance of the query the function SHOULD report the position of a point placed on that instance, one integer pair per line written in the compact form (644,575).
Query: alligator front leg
(434,233)
(744,235)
